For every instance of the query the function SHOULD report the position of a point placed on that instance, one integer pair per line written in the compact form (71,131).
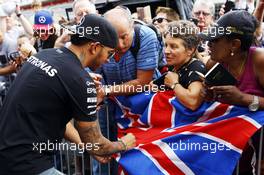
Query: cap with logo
(43,20)
(238,22)
(97,28)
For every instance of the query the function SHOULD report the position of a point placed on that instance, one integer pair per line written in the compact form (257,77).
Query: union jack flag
(174,140)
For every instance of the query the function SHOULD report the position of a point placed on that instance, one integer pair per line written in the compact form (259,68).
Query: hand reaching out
(129,140)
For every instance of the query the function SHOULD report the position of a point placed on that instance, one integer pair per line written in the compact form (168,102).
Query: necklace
(239,70)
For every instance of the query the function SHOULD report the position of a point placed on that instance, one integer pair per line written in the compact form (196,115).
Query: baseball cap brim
(214,32)
(42,27)
(221,29)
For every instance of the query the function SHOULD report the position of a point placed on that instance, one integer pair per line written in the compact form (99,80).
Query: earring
(232,53)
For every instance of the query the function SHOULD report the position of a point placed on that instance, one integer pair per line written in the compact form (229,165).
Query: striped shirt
(126,68)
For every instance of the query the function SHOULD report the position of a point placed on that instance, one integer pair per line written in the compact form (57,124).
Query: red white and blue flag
(172,139)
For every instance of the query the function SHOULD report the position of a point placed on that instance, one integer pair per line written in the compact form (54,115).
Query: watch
(254,105)
(107,91)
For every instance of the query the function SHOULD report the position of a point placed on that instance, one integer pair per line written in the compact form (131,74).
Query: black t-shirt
(187,73)
(50,89)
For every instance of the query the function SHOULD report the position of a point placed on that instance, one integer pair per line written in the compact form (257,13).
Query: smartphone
(229,5)
(160,81)
(194,20)
(14,55)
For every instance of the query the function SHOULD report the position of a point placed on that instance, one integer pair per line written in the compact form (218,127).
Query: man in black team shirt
(51,88)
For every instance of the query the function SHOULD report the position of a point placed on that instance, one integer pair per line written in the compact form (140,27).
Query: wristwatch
(107,91)
(255,104)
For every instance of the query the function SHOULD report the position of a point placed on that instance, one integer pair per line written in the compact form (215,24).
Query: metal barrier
(72,164)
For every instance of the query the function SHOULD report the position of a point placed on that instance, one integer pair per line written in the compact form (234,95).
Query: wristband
(123,144)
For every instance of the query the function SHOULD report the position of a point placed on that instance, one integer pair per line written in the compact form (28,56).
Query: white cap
(2,12)
(9,7)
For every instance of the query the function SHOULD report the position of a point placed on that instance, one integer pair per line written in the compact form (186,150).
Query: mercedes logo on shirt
(42,19)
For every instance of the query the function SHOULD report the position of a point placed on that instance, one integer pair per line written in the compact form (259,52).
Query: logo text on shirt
(43,66)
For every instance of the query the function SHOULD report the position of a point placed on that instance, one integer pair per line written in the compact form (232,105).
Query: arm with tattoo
(90,134)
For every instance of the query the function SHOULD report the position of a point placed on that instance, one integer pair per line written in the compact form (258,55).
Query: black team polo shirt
(51,88)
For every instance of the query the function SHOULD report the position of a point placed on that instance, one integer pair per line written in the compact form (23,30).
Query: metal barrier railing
(72,164)
(260,152)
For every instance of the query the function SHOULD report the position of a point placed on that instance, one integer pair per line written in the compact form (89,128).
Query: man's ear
(94,47)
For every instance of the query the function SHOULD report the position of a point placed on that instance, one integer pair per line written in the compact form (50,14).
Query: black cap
(96,28)
(238,22)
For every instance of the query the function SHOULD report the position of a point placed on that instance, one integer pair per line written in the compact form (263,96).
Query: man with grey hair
(204,11)
(80,8)
(126,74)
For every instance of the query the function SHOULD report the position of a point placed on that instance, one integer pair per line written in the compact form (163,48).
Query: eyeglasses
(201,12)
(110,53)
(159,20)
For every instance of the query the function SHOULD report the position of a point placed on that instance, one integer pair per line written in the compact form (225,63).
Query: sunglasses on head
(159,20)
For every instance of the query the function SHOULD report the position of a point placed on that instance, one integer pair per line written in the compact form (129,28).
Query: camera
(14,55)
(229,5)
(194,20)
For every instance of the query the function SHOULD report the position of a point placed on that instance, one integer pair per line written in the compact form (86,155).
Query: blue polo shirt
(126,69)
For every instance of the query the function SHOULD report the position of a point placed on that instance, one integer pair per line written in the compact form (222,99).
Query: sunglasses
(111,54)
(201,12)
(159,20)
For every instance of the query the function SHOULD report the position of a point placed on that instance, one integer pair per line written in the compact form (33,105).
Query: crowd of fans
(141,49)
